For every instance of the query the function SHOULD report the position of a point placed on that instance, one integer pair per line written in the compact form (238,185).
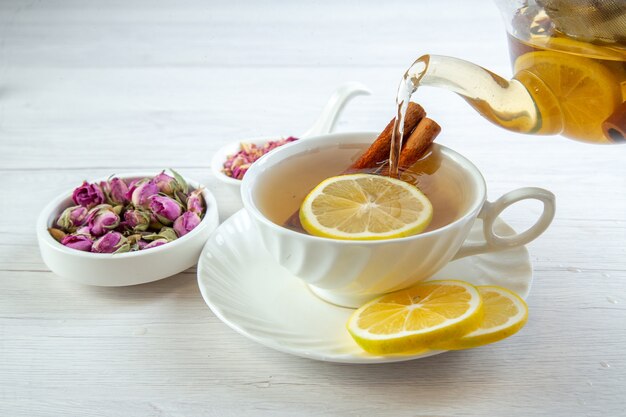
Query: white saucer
(256,297)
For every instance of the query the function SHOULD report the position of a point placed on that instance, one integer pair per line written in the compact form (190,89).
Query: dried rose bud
(132,239)
(181,198)
(155,224)
(78,242)
(84,230)
(115,191)
(101,219)
(140,192)
(132,185)
(112,242)
(273,144)
(195,202)
(134,242)
(186,223)
(170,185)
(166,184)
(165,209)
(182,184)
(72,217)
(137,220)
(166,233)
(154,244)
(57,234)
(237,165)
(88,195)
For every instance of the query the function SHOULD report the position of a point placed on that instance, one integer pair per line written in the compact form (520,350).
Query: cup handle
(490,212)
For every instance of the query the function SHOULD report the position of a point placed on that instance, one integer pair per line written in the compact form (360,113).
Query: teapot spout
(505,103)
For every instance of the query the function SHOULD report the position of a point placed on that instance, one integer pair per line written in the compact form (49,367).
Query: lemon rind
(480,337)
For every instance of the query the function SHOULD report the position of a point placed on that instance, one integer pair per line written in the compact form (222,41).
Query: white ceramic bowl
(131,268)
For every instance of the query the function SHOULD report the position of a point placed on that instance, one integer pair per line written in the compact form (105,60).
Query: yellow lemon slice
(585,91)
(365,206)
(572,46)
(411,320)
(505,313)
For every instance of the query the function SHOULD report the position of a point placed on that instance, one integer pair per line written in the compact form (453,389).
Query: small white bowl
(219,158)
(131,268)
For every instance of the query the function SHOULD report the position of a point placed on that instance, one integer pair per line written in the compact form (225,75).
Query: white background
(91,88)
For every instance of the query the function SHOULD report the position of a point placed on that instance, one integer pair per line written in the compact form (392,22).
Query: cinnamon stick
(379,150)
(416,145)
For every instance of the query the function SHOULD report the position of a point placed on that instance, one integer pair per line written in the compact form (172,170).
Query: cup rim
(53,207)
(286,151)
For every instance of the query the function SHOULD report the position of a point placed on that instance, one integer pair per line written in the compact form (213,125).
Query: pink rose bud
(112,242)
(155,243)
(72,217)
(78,242)
(140,192)
(195,202)
(88,195)
(166,184)
(165,208)
(170,185)
(132,185)
(84,230)
(137,220)
(186,223)
(115,191)
(101,219)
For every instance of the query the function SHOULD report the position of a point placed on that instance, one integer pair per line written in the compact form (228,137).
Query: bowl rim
(53,207)
(248,202)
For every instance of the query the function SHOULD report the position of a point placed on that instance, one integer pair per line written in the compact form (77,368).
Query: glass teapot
(569,64)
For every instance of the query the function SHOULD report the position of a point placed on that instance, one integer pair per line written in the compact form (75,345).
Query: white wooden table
(92,88)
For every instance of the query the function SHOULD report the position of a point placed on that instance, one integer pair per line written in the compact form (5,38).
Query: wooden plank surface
(91,88)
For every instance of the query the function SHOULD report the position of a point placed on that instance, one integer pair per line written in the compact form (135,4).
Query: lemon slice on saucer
(505,313)
(365,207)
(411,320)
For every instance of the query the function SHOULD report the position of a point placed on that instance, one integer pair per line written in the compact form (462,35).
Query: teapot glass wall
(569,66)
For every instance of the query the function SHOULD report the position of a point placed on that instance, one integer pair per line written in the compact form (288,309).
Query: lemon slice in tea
(411,320)
(365,207)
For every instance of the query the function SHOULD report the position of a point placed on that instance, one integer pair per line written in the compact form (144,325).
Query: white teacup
(351,272)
